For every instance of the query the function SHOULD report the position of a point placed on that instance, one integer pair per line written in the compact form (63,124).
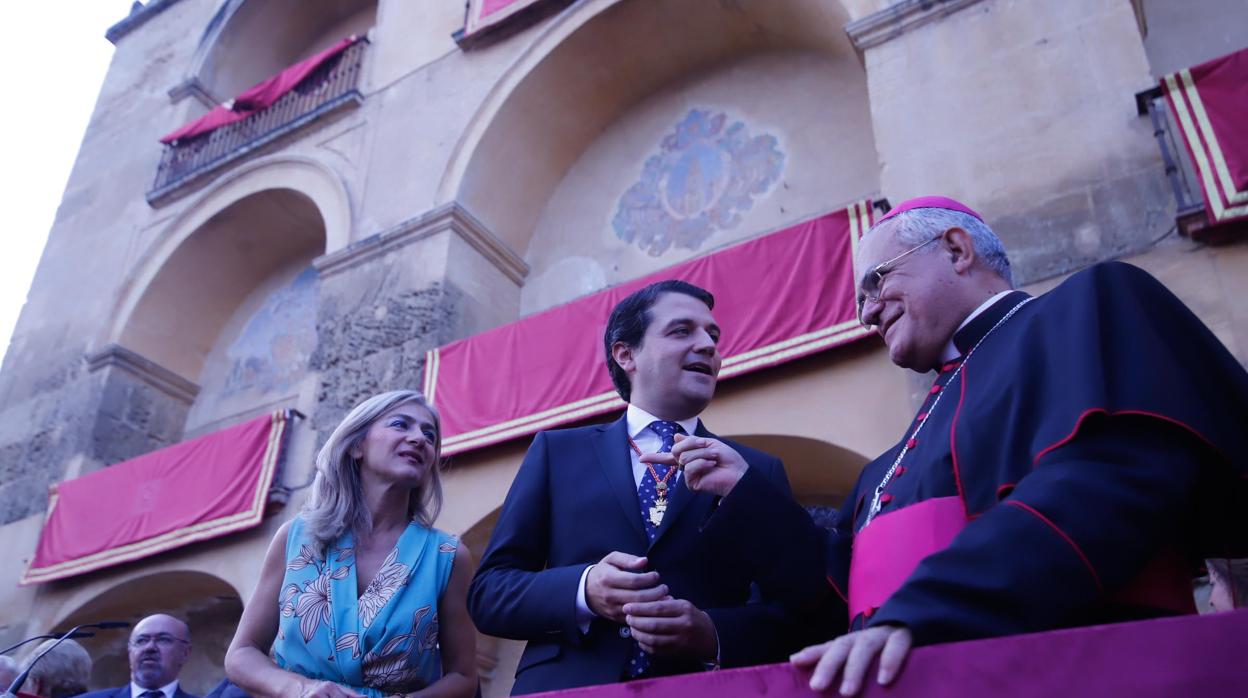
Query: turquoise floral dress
(384,641)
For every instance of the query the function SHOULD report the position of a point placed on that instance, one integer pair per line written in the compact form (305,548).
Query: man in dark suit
(604,559)
(159,646)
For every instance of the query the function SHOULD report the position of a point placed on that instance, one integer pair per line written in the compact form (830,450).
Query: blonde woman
(359,594)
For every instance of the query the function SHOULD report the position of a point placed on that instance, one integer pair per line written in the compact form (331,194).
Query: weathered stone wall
(375,341)
(1026,110)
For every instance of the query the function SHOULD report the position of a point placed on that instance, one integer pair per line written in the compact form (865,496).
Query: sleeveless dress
(381,643)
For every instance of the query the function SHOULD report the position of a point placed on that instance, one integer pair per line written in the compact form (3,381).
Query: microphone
(21,679)
(28,640)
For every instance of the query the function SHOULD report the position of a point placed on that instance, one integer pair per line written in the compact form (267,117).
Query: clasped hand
(710,465)
(618,589)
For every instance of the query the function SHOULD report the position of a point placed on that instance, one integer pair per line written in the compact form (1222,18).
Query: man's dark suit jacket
(573,501)
(124,692)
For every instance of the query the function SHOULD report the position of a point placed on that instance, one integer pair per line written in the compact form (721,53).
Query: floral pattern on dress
(310,605)
(356,638)
(391,577)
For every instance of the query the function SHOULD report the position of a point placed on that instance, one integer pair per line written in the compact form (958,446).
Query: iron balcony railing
(1189,205)
(331,87)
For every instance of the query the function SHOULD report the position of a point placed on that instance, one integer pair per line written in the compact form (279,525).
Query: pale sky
(52,62)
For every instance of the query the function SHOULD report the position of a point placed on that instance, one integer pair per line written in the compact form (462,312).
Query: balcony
(331,88)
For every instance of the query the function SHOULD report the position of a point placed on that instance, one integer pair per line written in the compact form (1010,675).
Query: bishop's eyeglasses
(873,280)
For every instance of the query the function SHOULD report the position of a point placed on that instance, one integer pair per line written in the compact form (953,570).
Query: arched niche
(208,604)
(177,317)
(249,40)
(571,124)
(821,474)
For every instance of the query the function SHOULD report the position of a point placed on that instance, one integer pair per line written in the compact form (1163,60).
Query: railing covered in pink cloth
(192,491)
(295,97)
(1210,104)
(777,298)
(1198,656)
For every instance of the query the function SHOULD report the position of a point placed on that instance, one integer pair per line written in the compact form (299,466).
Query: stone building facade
(462,188)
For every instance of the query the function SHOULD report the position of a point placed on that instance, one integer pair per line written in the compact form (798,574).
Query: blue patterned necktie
(648,495)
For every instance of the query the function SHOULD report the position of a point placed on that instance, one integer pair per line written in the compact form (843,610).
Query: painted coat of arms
(705,175)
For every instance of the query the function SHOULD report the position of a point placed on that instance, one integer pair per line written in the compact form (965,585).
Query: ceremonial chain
(905,447)
(660,486)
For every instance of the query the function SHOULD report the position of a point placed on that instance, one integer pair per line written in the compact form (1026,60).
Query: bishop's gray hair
(918,225)
(337,502)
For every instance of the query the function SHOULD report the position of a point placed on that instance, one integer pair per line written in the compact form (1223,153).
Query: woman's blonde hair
(337,502)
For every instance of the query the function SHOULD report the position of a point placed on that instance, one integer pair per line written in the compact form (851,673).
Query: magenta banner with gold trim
(1210,103)
(193,491)
(777,298)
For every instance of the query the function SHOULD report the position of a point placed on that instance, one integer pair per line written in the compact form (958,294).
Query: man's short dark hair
(631,317)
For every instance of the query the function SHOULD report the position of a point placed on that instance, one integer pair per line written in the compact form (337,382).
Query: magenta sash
(887,551)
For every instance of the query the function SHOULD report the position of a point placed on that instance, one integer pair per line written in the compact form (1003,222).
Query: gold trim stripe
(177,538)
(854,232)
(433,361)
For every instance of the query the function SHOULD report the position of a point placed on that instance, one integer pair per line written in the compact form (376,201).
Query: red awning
(200,489)
(777,298)
(259,96)
(1210,104)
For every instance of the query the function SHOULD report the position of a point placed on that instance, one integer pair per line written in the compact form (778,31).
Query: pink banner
(1182,656)
(777,298)
(258,97)
(200,489)
(484,14)
(1210,104)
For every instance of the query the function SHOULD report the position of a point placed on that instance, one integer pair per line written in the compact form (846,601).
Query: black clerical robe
(1073,466)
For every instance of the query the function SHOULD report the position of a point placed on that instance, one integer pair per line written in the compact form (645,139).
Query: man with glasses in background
(159,646)
(1076,456)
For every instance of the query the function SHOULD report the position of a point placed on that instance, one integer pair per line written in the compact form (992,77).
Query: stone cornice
(893,21)
(450,217)
(139,14)
(146,370)
(191,87)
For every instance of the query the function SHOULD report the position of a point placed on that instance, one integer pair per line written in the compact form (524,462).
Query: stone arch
(175,316)
(310,187)
(209,605)
(595,62)
(247,41)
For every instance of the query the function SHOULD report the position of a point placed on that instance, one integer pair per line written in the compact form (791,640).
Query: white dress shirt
(168,689)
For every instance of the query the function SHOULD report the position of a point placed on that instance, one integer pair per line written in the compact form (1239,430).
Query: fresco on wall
(706,174)
(272,351)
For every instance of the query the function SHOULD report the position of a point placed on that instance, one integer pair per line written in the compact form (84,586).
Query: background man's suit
(573,501)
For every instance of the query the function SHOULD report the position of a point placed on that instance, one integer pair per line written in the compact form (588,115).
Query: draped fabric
(1185,656)
(196,490)
(777,298)
(381,642)
(258,97)
(1210,103)
(483,15)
